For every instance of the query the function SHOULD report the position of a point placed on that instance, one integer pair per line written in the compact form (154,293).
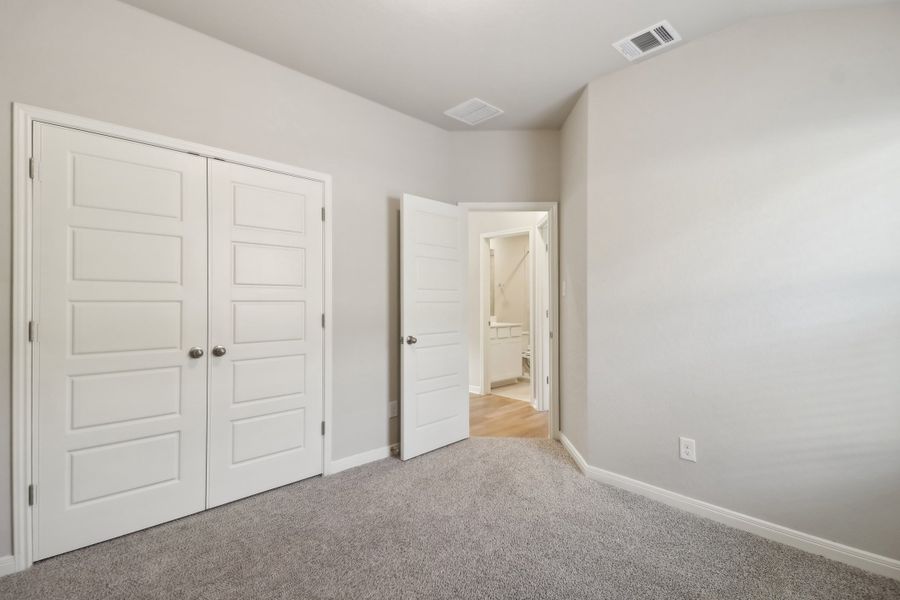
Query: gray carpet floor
(485,518)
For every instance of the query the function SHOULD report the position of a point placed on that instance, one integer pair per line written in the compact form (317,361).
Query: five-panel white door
(265,312)
(434,402)
(126,238)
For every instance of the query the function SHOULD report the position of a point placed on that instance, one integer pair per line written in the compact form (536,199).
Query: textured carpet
(485,518)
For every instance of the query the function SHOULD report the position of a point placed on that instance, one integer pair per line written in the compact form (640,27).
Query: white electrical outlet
(687,449)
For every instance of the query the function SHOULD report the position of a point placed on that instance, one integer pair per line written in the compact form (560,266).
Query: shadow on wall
(393,316)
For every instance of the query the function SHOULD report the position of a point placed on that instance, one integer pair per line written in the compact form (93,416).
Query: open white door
(434,403)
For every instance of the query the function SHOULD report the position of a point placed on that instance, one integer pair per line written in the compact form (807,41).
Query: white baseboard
(503,382)
(574,453)
(475,389)
(863,559)
(342,464)
(7,565)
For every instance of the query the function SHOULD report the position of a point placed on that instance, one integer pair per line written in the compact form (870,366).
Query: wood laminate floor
(498,416)
(517,391)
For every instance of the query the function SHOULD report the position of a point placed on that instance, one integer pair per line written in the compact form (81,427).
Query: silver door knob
(218,350)
(411,340)
(195,352)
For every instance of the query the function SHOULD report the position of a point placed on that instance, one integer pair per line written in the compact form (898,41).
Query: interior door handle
(411,340)
(195,352)
(218,350)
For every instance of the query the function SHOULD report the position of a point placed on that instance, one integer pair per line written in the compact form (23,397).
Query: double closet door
(178,351)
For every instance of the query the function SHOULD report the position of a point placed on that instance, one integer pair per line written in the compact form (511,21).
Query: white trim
(484,309)
(7,565)
(23,118)
(574,453)
(475,389)
(540,358)
(328,342)
(21,355)
(505,233)
(356,460)
(552,208)
(882,565)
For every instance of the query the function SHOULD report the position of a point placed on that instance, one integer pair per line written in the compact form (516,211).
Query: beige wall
(109,61)
(504,166)
(743,272)
(512,294)
(572,274)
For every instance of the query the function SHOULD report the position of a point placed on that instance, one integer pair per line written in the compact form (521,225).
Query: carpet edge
(856,557)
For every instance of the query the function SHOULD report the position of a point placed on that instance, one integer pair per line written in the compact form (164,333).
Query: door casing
(24,117)
(543,300)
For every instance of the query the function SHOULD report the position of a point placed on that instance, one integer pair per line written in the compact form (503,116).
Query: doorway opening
(511,316)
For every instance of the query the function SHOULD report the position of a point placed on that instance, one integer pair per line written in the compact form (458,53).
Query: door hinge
(31,168)
(31,495)
(323,213)
(323,427)
(323,320)
(32,331)
(548,379)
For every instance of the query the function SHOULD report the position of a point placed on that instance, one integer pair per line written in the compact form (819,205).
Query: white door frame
(552,208)
(484,298)
(24,116)
(542,303)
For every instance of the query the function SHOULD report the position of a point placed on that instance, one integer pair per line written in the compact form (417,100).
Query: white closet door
(120,271)
(434,401)
(265,311)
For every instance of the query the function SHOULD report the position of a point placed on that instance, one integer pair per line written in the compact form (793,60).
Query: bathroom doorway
(511,316)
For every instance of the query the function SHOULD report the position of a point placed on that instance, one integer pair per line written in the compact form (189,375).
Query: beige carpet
(485,518)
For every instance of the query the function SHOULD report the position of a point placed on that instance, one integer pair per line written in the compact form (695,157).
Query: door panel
(434,389)
(265,308)
(120,274)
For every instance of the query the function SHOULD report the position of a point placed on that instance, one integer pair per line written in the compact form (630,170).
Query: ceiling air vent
(473,112)
(647,41)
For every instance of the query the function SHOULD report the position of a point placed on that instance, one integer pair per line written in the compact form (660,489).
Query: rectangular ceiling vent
(648,41)
(473,112)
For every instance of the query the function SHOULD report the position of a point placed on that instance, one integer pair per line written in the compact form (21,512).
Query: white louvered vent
(648,41)
(473,112)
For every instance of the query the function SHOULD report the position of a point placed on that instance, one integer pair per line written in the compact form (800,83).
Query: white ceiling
(529,57)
